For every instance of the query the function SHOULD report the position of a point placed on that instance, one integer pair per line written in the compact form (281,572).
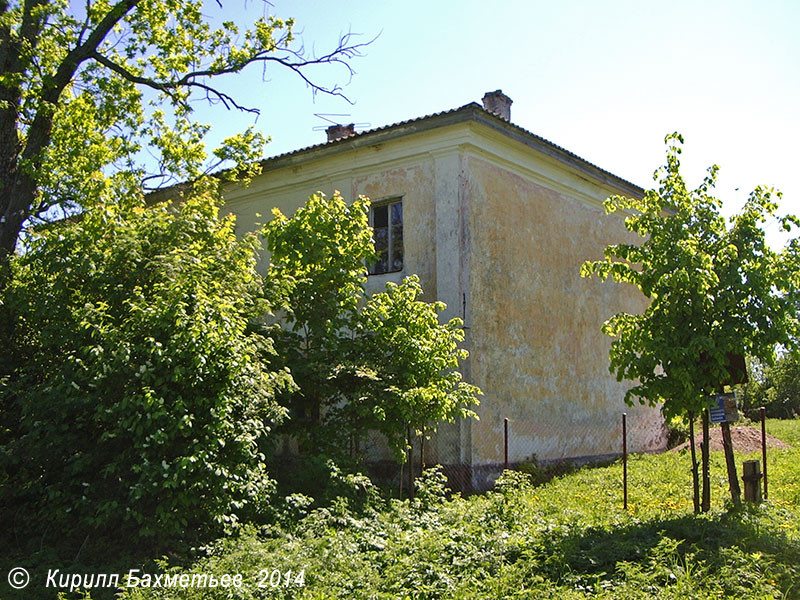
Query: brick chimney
(338,132)
(498,103)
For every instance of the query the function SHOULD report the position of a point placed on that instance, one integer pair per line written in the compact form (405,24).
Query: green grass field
(569,538)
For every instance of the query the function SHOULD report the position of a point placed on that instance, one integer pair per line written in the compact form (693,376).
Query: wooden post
(752,478)
(763,412)
(705,503)
(505,443)
(625,461)
(695,467)
(730,462)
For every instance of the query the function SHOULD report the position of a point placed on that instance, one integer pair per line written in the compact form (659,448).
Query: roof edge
(469,112)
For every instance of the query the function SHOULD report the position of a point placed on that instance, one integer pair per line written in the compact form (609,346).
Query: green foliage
(135,398)
(715,291)
(317,258)
(320,254)
(384,363)
(414,360)
(321,482)
(679,429)
(569,538)
(776,388)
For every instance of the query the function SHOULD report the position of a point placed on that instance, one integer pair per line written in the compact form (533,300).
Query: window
(386,219)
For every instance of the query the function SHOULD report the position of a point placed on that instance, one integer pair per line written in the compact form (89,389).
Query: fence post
(751,477)
(625,461)
(505,442)
(695,467)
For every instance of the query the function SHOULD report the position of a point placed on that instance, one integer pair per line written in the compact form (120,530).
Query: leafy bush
(135,399)
(678,430)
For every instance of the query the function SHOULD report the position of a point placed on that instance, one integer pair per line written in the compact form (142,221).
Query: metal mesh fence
(474,453)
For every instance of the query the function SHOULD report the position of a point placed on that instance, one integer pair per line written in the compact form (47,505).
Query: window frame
(388,202)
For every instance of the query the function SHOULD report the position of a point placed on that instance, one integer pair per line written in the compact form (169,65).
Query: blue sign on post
(725,410)
(717,413)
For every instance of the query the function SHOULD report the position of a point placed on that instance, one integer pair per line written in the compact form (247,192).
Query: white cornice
(353,163)
(495,148)
(472,137)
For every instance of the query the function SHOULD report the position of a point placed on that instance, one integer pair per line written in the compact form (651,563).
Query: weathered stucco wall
(288,189)
(536,346)
(498,232)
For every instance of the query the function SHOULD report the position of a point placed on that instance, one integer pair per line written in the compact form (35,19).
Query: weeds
(566,539)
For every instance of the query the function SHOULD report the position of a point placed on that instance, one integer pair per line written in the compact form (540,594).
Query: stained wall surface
(535,325)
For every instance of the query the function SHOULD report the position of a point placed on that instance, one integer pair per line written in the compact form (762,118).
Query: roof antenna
(324,117)
(337,130)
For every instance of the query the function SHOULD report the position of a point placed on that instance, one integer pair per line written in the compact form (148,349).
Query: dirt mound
(745,440)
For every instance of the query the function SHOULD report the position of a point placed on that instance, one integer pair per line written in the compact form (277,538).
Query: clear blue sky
(606,80)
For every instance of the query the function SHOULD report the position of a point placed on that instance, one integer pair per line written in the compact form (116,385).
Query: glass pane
(397,236)
(382,250)
(380,216)
(380,232)
(397,213)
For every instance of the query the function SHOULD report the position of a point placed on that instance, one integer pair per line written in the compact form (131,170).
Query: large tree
(717,290)
(88,90)
(318,257)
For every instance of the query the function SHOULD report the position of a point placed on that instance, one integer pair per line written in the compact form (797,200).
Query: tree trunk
(16,197)
(22,147)
(695,467)
(705,505)
(730,462)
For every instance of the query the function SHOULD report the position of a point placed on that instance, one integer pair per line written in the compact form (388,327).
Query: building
(496,221)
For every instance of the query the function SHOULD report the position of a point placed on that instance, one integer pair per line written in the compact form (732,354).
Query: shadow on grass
(541,474)
(736,549)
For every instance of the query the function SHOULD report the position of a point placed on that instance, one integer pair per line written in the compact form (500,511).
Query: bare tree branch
(169,87)
(291,59)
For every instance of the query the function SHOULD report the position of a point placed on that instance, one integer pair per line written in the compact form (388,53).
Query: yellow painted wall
(536,345)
